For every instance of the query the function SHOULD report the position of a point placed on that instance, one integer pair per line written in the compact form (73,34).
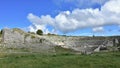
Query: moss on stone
(32,36)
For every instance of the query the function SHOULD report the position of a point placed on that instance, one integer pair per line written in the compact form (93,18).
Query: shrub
(39,32)
(50,34)
(31,32)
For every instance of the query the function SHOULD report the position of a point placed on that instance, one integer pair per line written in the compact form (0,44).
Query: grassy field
(32,60)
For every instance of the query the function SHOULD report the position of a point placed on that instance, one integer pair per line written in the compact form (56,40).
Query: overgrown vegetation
(32,36)
(31,32)
(32,60)
(39,32)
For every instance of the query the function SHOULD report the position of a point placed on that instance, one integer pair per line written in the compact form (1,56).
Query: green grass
(61,50)
(34,60)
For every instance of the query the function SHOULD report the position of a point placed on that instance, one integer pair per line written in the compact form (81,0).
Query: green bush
(31,32)
(39,32)
(52,34)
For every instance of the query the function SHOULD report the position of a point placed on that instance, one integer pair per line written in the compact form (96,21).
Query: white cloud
(39,22)
(43,20)
(98,29)
(67,21)
(34,28)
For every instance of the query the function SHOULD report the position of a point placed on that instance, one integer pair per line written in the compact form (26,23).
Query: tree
(39,32)
(93,35)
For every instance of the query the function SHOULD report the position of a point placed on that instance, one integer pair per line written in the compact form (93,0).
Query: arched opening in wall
(103,48)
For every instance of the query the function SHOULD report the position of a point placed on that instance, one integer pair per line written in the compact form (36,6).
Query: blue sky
(70,17)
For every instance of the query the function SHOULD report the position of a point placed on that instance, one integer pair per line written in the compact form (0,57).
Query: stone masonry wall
(18,39)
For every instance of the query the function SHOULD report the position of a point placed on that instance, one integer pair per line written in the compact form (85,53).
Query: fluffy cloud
(34,28)
(98,29)
(39,22)
(67,21)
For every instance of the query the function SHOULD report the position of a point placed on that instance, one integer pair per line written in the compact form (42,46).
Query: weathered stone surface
(16,38)
(81,44)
